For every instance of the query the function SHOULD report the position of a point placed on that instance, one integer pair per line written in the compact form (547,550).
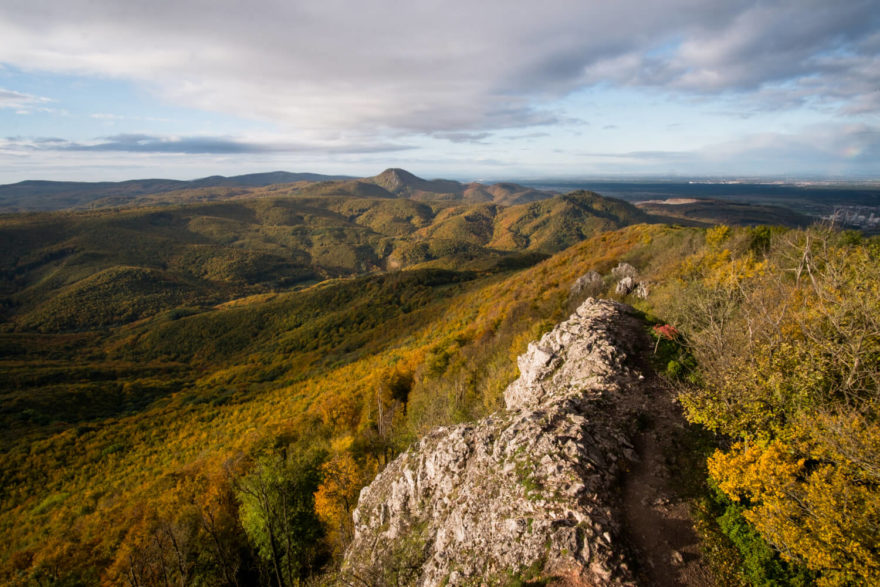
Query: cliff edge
(534,491)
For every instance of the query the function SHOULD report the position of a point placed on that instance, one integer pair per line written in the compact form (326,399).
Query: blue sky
(109,90)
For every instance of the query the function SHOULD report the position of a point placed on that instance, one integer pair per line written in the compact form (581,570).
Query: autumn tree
(337,495)
(789,351)
(223,537)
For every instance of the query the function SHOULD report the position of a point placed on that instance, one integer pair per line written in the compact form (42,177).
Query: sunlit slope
(551,225)
(248,372)
(75,271)
(360,367)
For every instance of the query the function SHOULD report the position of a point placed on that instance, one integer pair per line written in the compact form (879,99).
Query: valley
(181,365)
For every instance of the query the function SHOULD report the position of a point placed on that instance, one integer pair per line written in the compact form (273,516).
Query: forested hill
(392,183)
(196,393)
(81,270)
(58,195)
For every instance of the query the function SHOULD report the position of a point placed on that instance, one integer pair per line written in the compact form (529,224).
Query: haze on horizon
(105,90)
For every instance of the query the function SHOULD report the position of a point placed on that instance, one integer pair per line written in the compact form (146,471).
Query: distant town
(865,218)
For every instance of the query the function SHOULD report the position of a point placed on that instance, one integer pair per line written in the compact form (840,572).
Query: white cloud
(818,150)
(440,66)
(19,101)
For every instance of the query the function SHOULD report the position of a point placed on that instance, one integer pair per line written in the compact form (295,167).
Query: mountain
(196,386)
(392,183)
(55,195)
(169,402)
(402,183)
(502,193)
(137,260)
(179,403)
(263,179)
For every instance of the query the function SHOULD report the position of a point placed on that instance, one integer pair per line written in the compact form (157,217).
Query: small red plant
(667,331)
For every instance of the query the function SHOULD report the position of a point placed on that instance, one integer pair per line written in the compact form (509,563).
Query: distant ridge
(263,179)
(39,195)
(403,184)
(44,196)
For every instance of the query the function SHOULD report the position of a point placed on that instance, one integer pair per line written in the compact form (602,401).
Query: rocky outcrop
(628,281)
(588,285)
(532,490)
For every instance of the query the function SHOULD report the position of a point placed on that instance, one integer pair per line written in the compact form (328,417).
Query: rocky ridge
(532,491)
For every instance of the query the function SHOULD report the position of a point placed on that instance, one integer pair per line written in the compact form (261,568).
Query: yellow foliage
(825,516)
(717,235)
(337,496)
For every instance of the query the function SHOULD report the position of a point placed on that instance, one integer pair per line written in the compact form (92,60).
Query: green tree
(278,514)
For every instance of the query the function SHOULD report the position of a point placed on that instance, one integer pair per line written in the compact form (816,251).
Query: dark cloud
(135,143)
(141,143)
(464,137)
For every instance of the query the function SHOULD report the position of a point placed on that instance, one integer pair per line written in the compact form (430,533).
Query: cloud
(20,101)
(193,145)
(448,66)
(529,136)
(464,137)
(822,149)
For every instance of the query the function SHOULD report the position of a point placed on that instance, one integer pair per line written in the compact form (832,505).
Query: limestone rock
(625,286)
(624,270)
(628,282)
(589,284)
(533,487)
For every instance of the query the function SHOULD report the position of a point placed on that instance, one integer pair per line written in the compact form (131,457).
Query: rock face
(587,285)
(628,281)
(533,490)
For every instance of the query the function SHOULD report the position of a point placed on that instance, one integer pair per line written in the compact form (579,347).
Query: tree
(337,497)
(278,514)
(789,354)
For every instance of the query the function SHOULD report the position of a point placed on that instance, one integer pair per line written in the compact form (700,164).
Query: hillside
(165,367)
(530,492)
(58,195)
(73,271)
(186,390)
(392,183)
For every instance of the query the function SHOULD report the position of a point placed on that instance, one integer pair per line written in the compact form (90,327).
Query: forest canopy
(158,428)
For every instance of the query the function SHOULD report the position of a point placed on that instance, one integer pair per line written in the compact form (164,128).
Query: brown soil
(658,522)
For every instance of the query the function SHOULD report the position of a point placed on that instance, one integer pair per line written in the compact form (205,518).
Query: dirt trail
(658,522)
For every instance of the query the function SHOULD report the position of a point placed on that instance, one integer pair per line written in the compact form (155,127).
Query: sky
(96,90)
